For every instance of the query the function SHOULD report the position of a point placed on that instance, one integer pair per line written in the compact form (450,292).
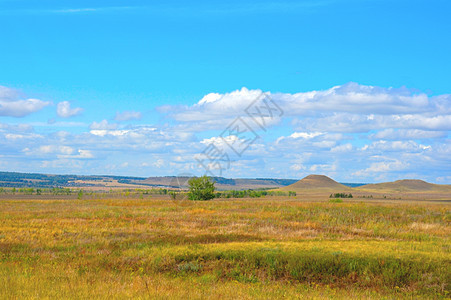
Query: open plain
(128,244)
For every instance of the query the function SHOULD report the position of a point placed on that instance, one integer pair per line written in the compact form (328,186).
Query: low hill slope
(315,183)
(407,185)
(221,183)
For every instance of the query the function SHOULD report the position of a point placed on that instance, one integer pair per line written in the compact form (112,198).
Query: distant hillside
(14,179)
(317,182)
(221,183)
(406,185)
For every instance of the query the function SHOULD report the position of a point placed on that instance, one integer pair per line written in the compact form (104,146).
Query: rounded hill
(317,182)
(406,185)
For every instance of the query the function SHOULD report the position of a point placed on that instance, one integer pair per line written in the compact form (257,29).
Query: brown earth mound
(407,185)
(317,182)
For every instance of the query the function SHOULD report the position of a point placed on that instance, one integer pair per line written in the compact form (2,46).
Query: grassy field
(273,247)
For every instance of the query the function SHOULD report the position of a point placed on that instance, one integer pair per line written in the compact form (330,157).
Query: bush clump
(201,188)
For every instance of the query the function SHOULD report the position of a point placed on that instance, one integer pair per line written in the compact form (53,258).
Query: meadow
(148,246)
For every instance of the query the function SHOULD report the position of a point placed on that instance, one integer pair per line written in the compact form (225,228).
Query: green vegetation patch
(333,263)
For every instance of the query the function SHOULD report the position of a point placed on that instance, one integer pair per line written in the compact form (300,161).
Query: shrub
(201,188)
(340,195)
(337,200)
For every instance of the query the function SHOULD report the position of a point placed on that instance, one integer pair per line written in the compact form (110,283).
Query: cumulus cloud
(21,136)
(305,135)
(64,110)
(159,163)
(102,125)
(216,111)
(352,133)
(49,149)
(216,105)
(361,99)
(297,167)
(382,167)
(83,154)
(15,128)
(222,142)
(104,132)
(390,146)
(347,108)
(12,103)
(342,148)
(407,134)
(58,152)
(127,116)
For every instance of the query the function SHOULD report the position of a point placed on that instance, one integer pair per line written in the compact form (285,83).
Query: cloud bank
(64,110)
(352,132)
(12,104)
(128,116)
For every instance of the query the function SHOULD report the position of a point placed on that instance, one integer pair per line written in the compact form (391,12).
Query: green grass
(238,248)
(336,200)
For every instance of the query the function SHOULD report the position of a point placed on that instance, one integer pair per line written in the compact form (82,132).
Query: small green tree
(201,188)
(173,195)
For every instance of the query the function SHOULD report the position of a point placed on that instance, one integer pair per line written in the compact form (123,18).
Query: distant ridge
(317,182)
(406,185)
(313,184)
(36,180)
(221,183)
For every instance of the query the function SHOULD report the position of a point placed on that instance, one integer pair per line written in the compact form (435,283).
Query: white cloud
(12,104)
(216,111)
(324,168)
(389,146)
(64,110)
(84,154)
(159,163)
(355,98)
(102,125)
(297,167)
(127,116)
(58,152)
(305,135)
(342,148)
(16,128)
(381,167)
(210,98)
(222,142)
(347,108)
(104,132)
(16,137)
(407,134)
(56,149)
(350,132)
(324,144)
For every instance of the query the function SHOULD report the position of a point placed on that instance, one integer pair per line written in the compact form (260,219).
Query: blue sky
(116,87)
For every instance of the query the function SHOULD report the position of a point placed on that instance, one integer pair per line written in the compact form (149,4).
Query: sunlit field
(271,247)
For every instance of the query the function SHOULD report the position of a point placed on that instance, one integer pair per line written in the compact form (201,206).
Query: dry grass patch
(248,248)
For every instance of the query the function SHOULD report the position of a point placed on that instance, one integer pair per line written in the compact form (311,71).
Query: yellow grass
(235,248)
